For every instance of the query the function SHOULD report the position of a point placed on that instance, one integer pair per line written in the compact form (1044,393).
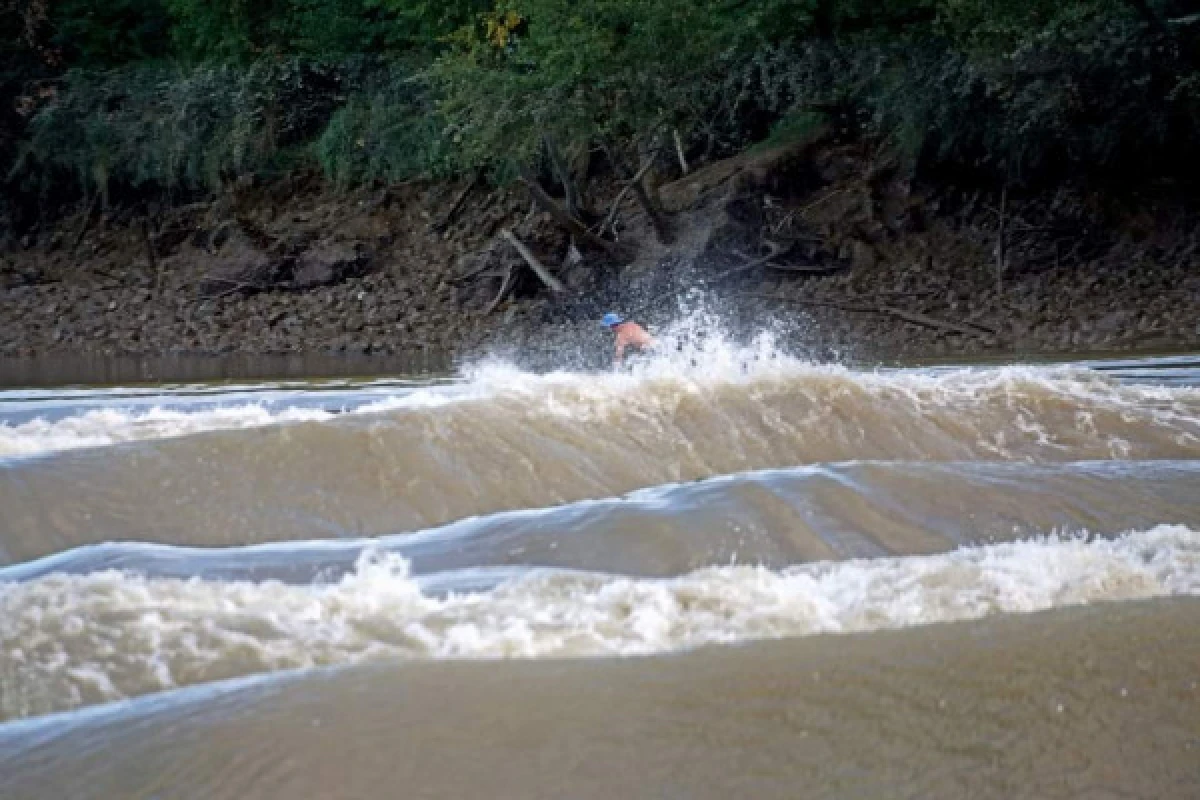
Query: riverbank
(808,239)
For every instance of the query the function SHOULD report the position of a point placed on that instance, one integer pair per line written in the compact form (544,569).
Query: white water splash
(72,640)
(695,357)
(101,427)
(109,426)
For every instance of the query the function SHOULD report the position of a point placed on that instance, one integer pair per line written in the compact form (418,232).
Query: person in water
(630,336)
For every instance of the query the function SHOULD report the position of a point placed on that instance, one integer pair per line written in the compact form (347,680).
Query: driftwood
(967,329)
(616,204)
(808,269)
(543,274)
(506,286)
(475,273)
(570,195)
(236,284)
(804,269)
(456,206)
(924,320)
(683,165)
(636,185)
(568,222)
(776,251)
(144,229)
(661,230)
(1001,241)
(87,221)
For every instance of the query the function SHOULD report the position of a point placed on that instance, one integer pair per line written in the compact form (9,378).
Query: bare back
(631,335)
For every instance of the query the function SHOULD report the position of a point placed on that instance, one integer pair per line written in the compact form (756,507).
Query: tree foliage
(1015,88)
(166,94)
(175,128)
(387,130)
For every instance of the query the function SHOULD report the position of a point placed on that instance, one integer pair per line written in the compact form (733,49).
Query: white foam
(695,359)
(696,356)
(101,427)
(108,426)
(70,640)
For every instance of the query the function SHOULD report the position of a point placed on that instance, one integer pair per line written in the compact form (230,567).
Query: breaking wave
(102,427)
(699,378)
(70,640)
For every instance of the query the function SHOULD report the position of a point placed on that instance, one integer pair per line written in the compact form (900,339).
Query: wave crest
(66,641)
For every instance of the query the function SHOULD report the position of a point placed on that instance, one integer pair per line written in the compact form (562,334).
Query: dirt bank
(845,252)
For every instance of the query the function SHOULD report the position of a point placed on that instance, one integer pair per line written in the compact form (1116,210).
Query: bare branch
(683,165)
(457,205)
(88,216)
(950,326)
(568,222)
(616,205)
(776,251)
(1001,255)
(661,230)
(506,286)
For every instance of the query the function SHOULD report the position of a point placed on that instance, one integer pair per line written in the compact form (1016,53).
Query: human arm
(619,354)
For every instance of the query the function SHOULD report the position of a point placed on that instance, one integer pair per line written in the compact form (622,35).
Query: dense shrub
(617,70)
(1015,91)
(174,95)
(387,130)
(172,128)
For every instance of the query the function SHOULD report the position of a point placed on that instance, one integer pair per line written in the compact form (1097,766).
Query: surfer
(630,336)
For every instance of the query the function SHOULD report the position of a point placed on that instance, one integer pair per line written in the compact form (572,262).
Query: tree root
(570,223)
(88,216)
(443,223)
(611,219)
(506,286)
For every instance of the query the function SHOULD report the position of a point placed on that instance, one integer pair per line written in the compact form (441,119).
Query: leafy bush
(1015,90)
(1107,95)
(110,33)
(167,128)
(614,70)
(388,130)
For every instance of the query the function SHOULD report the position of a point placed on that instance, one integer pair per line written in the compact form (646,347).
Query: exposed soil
(814,233)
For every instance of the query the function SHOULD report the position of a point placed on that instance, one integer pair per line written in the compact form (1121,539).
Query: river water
(728,572)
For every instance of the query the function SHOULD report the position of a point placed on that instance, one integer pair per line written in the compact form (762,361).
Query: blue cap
(611,320)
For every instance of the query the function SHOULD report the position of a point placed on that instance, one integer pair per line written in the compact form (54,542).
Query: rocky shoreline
(846,264)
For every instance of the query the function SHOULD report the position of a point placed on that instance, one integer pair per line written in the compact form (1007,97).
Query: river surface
(728,573)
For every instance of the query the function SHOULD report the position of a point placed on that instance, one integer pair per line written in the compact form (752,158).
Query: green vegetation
(131,98)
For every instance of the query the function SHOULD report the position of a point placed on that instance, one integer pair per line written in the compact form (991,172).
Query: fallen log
(543,274)
(805,269)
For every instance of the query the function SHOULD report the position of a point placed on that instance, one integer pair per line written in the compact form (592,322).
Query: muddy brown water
(760,577)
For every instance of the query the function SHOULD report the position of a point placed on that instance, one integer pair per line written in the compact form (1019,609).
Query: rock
(1113,322)
(863,255)
(240,265)
(327,263)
